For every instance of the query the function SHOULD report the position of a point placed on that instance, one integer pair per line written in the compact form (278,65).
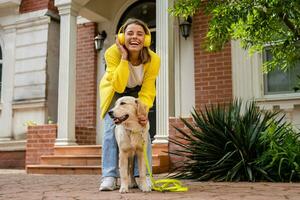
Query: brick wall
(34,5)
(173,133)
(85,135)
(213,79)
(86,84)
(40,141)
(12,159)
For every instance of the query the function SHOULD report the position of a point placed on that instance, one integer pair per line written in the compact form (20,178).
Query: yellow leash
(163,185)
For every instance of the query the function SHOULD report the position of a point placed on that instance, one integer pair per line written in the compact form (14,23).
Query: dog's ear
(141,108)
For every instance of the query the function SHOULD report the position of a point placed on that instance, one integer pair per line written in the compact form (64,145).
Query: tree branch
(290,25)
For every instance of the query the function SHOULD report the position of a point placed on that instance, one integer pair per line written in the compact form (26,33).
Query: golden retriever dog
(130,136)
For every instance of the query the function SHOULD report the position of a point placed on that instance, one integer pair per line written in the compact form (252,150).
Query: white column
(68,11)
(162,83)
(177,69)
(8,50)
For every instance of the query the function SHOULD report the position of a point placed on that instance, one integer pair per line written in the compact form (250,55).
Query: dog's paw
(123,189)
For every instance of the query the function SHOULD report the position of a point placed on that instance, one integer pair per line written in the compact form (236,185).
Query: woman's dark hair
(144,55)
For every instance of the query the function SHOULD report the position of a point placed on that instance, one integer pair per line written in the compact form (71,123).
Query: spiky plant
(223,143)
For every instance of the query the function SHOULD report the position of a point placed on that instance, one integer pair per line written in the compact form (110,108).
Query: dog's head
(127,110)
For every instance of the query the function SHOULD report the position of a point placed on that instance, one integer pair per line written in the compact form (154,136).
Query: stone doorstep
(13,145)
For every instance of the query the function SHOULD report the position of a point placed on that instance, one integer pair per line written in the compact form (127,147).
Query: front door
(145,11)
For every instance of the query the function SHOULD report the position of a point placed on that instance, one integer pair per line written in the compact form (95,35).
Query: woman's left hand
(122,49)
(143,120)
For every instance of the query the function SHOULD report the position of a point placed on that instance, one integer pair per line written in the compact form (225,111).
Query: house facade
(50,71)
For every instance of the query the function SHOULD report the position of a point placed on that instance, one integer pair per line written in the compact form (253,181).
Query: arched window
(1,63)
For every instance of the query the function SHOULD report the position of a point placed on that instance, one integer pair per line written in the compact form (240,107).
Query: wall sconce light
(99,40)
(185,27)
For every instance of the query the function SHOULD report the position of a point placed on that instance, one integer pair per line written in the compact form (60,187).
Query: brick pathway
(16,185)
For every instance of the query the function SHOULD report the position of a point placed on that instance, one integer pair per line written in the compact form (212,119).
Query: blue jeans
(110,152)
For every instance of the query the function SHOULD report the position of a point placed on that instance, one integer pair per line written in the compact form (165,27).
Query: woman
(131,71)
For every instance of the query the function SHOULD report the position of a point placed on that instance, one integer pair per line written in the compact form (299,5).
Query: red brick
(86,84)
(34,5)
(40,142)
(211,69)
(12,159)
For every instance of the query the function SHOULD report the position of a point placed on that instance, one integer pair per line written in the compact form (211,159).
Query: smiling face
(134,37)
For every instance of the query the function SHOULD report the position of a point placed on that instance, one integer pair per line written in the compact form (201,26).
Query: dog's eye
(122,103)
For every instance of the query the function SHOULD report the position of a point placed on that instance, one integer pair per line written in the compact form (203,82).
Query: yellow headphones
(121,37)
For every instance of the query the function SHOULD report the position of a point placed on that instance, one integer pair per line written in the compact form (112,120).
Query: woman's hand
(122,49)
(143,120)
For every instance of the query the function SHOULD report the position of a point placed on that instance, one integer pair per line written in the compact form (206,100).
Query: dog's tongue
(123,118)
(119,120)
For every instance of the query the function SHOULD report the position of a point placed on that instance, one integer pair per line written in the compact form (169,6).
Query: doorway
(144,10)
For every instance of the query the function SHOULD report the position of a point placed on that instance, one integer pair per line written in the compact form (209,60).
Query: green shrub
(281,159)
(224,143)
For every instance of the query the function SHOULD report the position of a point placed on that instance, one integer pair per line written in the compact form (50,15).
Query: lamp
(185,27)
(99,40)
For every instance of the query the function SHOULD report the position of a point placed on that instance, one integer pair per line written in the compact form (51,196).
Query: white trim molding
(39,103)
(13,145)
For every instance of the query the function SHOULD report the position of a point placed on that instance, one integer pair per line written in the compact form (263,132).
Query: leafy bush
(225,143)
(281,160)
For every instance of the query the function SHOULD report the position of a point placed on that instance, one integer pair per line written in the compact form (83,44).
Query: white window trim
(275,95)
(1,62)
(249,68)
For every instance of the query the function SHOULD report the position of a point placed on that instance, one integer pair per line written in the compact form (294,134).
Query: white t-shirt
(136,75)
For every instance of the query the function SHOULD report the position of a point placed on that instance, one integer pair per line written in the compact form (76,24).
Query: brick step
(161,160)
(160,149)
(59,169)
(159,169)
(92,160)
(160,163)
(78,150)
(86,159)
(69,160)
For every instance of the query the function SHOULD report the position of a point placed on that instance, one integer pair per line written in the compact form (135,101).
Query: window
(279,82)
(1,63)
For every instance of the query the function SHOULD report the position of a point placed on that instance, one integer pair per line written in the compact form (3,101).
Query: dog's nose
(111,114)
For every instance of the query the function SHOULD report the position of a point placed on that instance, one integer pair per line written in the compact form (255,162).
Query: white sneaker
(108,184)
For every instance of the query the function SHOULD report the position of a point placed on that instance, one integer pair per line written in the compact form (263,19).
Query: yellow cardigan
(116,77)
